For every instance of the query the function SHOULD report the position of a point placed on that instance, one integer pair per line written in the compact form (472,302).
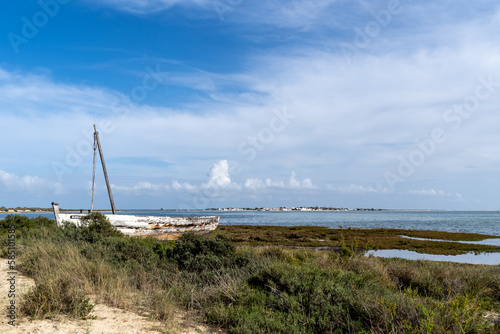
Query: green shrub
(24,224)
(196,253)
(97,223)
(164,249)
(122,250)
(308,299)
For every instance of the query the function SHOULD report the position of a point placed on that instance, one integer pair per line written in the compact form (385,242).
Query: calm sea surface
(485,222)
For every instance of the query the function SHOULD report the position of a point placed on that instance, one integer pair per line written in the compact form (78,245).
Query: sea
(483,222)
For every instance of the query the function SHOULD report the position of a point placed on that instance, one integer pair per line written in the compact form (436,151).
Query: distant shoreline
(50,211)
(14,211)
(24,211)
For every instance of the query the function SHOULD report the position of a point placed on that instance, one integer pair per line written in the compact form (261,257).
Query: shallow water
(489,242)
(484,258)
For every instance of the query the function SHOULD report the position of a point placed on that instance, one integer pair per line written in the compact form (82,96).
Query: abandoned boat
(160,227)
(163,228)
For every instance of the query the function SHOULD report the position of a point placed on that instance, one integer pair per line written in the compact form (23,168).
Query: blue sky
(219,103)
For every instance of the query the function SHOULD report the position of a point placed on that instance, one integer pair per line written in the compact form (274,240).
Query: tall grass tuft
(56,297)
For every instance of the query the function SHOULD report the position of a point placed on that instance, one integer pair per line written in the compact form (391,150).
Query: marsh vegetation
(231,285)
(316,236)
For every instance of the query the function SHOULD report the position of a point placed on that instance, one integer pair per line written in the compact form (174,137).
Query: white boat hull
(163,228)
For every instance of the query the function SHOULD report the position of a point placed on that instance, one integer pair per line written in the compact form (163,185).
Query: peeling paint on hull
(163,228)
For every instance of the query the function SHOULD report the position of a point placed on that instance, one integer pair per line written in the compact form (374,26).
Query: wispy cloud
(27,93)
(283,13)
(141,188)
(297,14)
(151,6)
(357,189)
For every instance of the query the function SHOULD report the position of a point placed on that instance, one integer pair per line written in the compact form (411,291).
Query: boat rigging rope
(93,173)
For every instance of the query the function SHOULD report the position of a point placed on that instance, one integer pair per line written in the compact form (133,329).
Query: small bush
(97,223)
(94,228)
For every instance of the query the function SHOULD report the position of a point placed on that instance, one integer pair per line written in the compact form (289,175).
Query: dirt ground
(108,320)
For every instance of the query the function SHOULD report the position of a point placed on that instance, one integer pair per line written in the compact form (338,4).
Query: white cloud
(219,177)
(434,193)
(256,184)
(304,184)
(141,188)
(176,185)
(219,174)
(293,183)
(28,183)
(357,189)
(26,93)
(298,14)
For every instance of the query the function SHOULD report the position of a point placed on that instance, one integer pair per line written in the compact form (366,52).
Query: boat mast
(93,175)
(96,136)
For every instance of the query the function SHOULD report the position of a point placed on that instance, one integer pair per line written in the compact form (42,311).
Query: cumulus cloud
(219,177)
(219,174)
